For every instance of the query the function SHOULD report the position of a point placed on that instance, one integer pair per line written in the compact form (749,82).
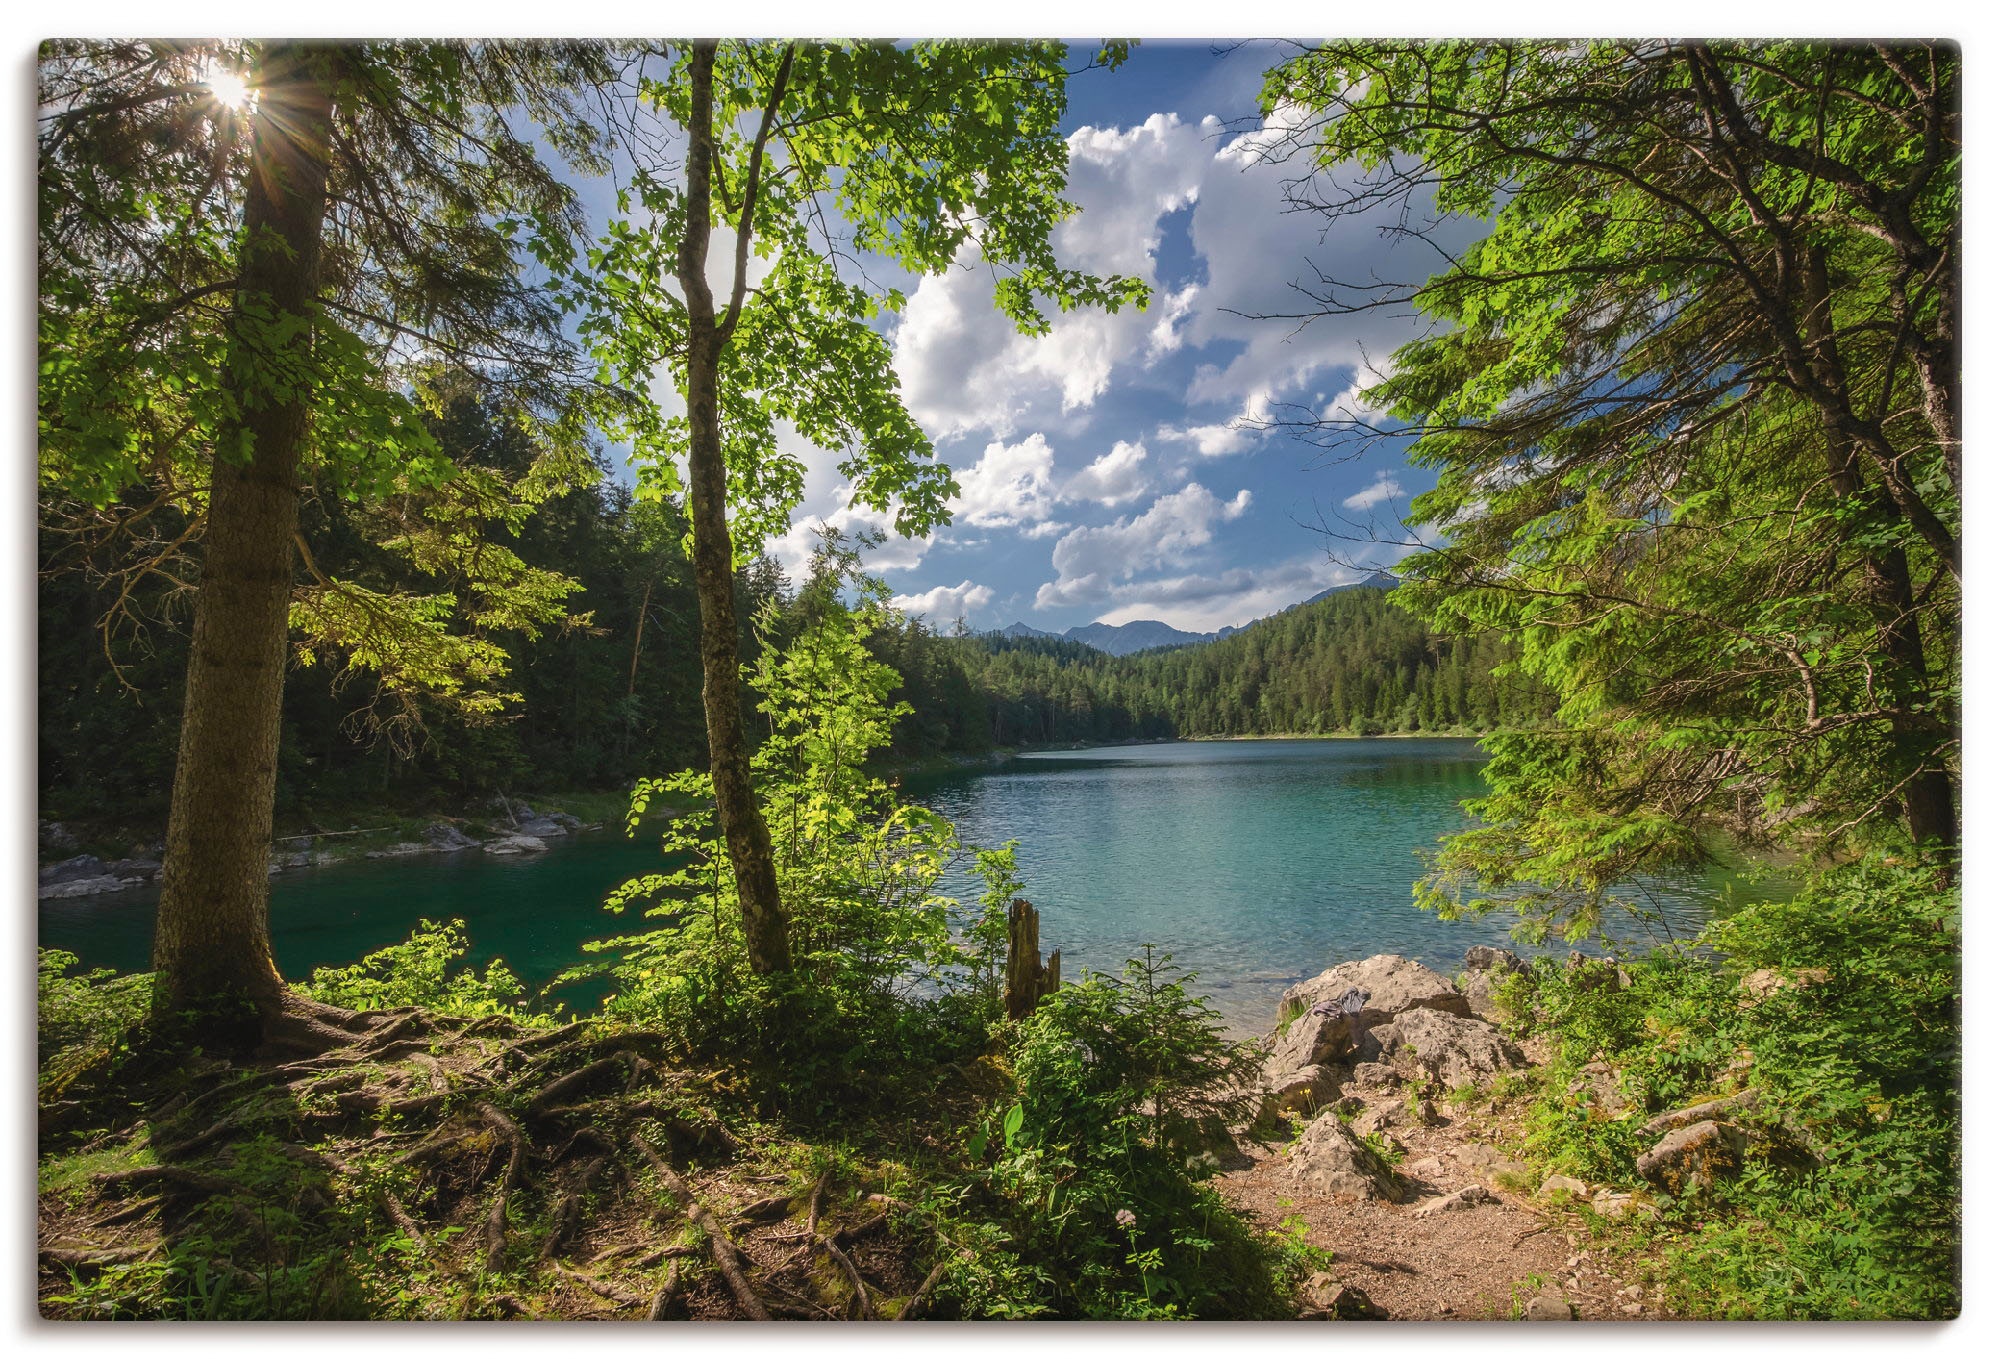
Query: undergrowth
(1840,1009)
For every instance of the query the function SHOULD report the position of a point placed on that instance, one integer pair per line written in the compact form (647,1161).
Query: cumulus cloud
(1010,484)
(794,550)
(945,603)
(1113,479)
(1383,488)
(965,368)
(1203,603)
(1091,562)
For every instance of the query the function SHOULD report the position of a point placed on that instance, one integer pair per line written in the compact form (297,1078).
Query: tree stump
(1028,978)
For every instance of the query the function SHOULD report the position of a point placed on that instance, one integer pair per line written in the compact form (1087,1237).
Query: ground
(1485,1262)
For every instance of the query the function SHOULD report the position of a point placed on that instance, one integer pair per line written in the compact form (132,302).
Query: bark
(212,939)
(743,826)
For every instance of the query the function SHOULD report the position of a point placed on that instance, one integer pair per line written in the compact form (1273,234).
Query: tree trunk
(748,838)
(1028,978)
(212,940)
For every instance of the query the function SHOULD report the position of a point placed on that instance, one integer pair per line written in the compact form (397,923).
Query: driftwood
(1028,978)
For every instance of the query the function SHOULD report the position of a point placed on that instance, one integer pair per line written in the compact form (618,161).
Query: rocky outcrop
(1485,969)
(515,844)
(1694,1157)
(1303,1091)
(1392,985)
(1335,1300)
(1432,1048)
(1330,1159)
(402,849)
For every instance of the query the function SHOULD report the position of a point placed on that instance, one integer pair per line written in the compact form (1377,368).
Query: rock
(1612,1205)
(1392,985)
(445,838)
(542,826)
(1395,1113)
(515,844)
(1304,1090)
(1373,1076)
(1339,1301)
(71,870)
(1321,1034)
(402,849)
(1599,1087)
(1564,1184)
(1548,1307)
(1485,958)
(55,838)
(302,859)
(86,887)
(1435,1048)
(1329,1158)
(1485,969)
(1469,1197)
(566,821)
(1694,1157)
(1739,1103)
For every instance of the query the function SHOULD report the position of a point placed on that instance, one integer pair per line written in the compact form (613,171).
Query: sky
(1105,469)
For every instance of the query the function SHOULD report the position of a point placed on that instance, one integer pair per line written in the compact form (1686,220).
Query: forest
(332,362)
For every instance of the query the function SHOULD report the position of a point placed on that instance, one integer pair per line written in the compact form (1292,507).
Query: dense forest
(611,693)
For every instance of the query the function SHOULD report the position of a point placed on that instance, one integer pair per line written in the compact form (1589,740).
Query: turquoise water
(1255,863)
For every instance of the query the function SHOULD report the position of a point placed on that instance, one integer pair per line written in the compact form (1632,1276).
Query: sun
(228,88)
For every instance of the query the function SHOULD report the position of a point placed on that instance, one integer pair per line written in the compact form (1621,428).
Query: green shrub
(419,971)
(83,1019)
(1096,1174)
(1848,1206)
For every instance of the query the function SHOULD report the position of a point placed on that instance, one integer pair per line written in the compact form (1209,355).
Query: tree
(1692,401)
(923,154)
(385,211)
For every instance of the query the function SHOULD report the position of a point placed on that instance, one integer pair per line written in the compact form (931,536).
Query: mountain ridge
(1148,634)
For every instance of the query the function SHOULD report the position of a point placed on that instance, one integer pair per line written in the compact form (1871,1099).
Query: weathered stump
(1028,978)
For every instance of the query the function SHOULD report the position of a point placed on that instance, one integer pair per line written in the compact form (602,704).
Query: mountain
(1141,634)
(1144,634)
(1380,580)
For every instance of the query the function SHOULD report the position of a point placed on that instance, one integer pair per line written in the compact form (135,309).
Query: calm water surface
(1255,862)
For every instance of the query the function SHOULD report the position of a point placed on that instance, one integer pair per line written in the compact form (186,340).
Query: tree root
(668,1304)
(401,1216)
(602,1289)
(721,1246)
(176,1177)
(496,1217)
(864,1309)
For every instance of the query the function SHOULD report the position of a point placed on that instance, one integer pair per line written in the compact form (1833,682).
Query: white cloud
(1383,488)
(1091,562)
(1113,479)
(965,368)
(945,603)
(1203,603)
(794,550)
(1010,484)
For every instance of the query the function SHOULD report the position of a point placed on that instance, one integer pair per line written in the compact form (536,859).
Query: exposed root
(721,1246)
(863,1308)
(668,1304)
(602,1289)
(176,1177)
(496,1217)
(401,1216)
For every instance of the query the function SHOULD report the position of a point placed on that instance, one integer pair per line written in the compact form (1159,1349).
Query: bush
(419,971)
(84,1020)
(1093,1181)
(1849,1205)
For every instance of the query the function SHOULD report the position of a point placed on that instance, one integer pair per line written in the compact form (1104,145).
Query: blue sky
(1106,469)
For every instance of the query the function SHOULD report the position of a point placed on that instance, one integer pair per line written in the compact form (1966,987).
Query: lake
(1255,863)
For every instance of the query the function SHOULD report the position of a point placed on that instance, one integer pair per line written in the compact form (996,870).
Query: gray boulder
(402,849)
(541,826)
(1390,1114)
(1694,1157)
(84,887)
(1548,1307)
(1303,1090)
(515,844)
(1430,1047)
(1338,1301)
(71,870)
(1391,983)
(1330,1159)
(1486,968)
(445,838)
